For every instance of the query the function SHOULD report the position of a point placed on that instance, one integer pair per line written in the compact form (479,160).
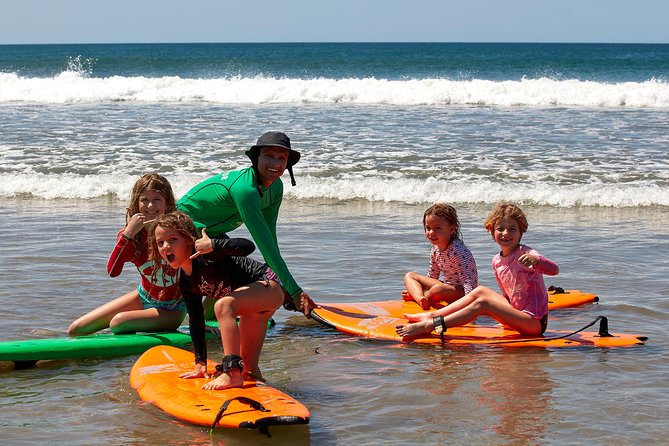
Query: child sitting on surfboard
(523,304)
(155,305)
(240,286)
(449,256)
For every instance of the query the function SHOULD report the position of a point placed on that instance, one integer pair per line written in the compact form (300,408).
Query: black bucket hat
(275,139)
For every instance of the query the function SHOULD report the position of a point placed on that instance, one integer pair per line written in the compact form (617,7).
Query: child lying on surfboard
(241,287)
(449,257)
(523,304)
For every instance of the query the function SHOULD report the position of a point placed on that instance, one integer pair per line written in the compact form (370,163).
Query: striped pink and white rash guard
(457,265)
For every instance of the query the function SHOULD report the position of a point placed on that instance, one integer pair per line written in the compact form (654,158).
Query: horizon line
(339,42)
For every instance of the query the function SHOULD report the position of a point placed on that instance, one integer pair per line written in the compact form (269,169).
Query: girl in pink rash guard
(523,304)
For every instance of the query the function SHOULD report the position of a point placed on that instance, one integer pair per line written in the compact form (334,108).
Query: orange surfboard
(377,320)
(561,298)
(557,298)
(155,376)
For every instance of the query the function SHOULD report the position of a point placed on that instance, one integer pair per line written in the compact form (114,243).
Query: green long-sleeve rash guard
(227,200)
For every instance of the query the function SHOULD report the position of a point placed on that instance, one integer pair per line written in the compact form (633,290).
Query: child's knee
(479,291)
(410,276)
(118,320)
(224,306)
(74,328)
(484,301)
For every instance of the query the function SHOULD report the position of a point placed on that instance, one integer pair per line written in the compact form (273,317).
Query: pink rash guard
(523,286)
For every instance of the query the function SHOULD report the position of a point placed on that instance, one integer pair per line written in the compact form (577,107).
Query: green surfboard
(25,353)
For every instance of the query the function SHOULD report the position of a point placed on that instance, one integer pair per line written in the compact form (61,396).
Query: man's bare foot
(232,378)
(415,329)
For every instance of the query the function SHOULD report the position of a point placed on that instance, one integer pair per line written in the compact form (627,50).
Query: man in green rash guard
(251,196)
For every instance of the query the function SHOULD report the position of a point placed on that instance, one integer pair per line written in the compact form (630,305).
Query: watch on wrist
(438,322)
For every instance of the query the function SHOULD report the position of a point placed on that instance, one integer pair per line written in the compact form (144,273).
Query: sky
(154,21)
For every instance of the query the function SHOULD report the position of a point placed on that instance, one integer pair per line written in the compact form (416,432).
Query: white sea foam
(480,191)
(75,87)
(354,187)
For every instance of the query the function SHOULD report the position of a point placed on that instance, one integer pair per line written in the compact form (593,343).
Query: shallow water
(359,391)
(574,133)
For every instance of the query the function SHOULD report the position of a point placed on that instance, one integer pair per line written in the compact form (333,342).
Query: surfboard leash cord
(253,403)
(602,332)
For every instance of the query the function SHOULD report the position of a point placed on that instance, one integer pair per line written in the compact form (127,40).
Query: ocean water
(576,134)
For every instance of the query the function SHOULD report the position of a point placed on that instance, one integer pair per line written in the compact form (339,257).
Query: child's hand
(199,372)
(527,259)
(135,224)
(202,245)
(213,330)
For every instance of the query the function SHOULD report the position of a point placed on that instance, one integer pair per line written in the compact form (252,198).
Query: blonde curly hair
(506,210)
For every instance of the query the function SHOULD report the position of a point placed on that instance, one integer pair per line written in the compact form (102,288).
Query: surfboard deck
(25,353)
(561,298)
(375,320)
(155,376)
(557,298)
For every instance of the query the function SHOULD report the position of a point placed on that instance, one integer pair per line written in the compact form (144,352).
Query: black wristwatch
(438,322)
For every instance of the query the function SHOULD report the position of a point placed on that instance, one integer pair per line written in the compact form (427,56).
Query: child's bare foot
(227,380)
(406,296)
(415,329)
(424,303)
(417,317)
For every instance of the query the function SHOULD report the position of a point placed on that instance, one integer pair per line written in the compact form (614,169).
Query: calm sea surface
(576,134)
